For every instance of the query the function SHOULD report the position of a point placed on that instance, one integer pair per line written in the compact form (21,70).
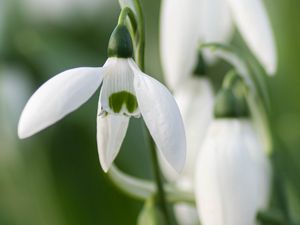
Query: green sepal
(230,106)
(120,43)
(230,101)
(151,214)
(200,68)
(256,91)
(117,100)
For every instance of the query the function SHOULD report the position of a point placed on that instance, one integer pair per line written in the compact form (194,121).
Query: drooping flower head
(232,181)
(126,91)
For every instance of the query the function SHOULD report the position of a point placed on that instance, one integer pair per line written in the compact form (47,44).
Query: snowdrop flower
(232,180)
(195,100)
(186,24)
(126,91)
(233,174)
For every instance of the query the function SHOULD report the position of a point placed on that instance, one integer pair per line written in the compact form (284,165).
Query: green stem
(161,195)
(141,38)
(156,169)
(141,189)
(123,15)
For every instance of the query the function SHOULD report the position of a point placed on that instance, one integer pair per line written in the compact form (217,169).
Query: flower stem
(161,194)
(123,15)
(141,38)
(162,202)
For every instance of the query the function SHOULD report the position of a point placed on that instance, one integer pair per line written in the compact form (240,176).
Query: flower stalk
(140,59)
(123,15)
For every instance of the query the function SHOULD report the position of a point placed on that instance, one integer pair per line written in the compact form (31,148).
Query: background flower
(81,193)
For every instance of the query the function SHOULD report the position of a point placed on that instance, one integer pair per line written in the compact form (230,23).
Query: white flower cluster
(226,168)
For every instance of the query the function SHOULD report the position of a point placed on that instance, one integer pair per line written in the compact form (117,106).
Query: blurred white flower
(126,91)
(195,100)
(233,174)
(14,89)
(186,24)
(58,10)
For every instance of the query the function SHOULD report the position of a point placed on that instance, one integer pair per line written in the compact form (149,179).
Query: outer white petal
(215,23)
(195,100)
(179,39)
(111,130)
(58,97)
(233,174)
(252,21)
(162,117)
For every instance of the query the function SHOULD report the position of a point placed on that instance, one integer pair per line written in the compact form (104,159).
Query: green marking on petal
(116,101)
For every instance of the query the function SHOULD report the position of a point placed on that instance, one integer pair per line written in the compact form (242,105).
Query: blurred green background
(55,176)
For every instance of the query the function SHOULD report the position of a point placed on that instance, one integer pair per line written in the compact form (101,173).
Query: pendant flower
(126,91)
(233,174)
(186,24)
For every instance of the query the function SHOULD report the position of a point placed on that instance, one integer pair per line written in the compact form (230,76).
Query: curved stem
(161,195)
(156,169)
(123,15)
(141,38)
(134,187)
(142,189)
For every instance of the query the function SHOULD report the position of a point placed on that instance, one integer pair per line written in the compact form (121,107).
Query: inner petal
(117,93)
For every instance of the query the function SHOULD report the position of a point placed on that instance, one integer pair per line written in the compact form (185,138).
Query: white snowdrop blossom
(126,91)
(233,174)
(195,99)
(187,24)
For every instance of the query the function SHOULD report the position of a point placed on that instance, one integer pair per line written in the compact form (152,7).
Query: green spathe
(117,100)
(120,43)
(230,101)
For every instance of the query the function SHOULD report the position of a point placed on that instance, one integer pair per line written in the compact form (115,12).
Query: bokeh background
(55,177)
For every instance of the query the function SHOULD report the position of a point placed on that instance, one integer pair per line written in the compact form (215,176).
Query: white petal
(118,78)
(195,100)
(215,23)
(252,21)
(179,39)
(58,97)
(163,119)
(111,131)
(233,174)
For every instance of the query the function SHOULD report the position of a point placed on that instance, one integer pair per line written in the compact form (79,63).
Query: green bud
(120,43)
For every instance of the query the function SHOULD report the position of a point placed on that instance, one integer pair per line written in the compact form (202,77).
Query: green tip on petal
(120,43)
(117,100)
